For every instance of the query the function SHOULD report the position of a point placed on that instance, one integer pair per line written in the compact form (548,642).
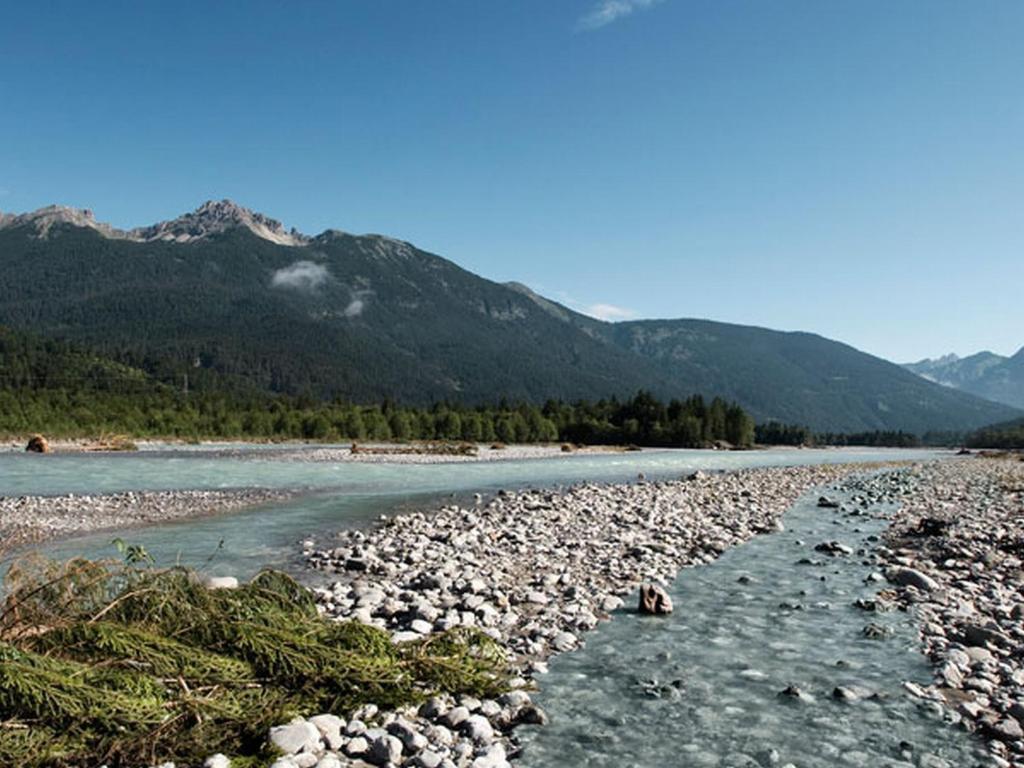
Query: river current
(704,687)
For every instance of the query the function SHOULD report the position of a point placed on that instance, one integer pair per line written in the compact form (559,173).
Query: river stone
(908,577)
(357,747)
(421,626)
(611,603)
(978,655)
(654,600)
(793,693)
(514,699)
(979,636)
(295,737)
(433,708)
(478,728)
(564,641)
(1008,730)
(221,582)
(426,759)
(454,716)
(385,749)
(531,714)
(412,740)
(217,761)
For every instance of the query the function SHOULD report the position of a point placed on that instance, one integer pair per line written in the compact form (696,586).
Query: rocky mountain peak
(211,218)
(217,216)
(44,219)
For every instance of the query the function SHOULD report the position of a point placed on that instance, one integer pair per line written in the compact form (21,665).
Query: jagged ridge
(211,218)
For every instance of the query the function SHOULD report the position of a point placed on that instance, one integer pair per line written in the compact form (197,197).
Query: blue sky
(851,167)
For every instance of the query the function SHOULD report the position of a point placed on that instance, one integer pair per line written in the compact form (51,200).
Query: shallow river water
(333,495)
(702,687)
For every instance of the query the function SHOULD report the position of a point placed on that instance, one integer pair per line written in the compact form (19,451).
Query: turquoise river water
(333,495)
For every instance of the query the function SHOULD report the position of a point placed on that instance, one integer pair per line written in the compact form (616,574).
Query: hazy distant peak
(44,219)
(217,216)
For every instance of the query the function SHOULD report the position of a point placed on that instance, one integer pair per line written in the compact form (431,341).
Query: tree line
(1004,436)
(642,420)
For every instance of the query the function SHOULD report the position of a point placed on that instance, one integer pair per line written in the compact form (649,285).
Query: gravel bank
(380,453)
(956,557)
(536,570)
(32,519)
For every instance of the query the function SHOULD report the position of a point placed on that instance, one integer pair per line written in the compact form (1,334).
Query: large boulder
(909,577)
(654,600)
(38,444)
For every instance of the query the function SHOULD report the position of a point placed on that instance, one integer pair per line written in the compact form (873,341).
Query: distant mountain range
(985,374)
(230,292)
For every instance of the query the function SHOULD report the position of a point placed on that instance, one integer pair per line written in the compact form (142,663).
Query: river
(333,495)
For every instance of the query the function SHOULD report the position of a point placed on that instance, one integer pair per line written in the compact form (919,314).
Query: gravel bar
(32,519)
(955,556)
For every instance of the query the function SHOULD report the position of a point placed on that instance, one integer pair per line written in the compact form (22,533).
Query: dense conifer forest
(66,390)
(61,389)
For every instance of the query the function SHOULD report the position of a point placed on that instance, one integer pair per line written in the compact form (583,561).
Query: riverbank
(957,553)
(419,452)
(33,519)
(400,453)
(536,571)
(429,452)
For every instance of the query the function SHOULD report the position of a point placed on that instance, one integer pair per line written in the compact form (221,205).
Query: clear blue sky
(850,167)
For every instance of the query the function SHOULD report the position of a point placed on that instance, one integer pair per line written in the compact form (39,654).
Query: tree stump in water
(38,444)
(654,600)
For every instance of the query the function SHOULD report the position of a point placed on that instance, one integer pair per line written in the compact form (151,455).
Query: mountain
(984,374)
(230,292)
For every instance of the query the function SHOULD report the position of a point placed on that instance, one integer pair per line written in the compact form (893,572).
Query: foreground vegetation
(128,665)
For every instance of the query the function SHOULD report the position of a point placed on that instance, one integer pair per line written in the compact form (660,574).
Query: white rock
(295,737)
(221,582)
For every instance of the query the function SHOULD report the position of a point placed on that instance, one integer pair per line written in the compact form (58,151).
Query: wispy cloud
(608,312)
(302,276)
(599,310)
(604,12)
(358,303)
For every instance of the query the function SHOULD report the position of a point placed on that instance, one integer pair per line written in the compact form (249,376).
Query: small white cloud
(608,312)
(357,303)
(354,308)
(604,12)
(302,276)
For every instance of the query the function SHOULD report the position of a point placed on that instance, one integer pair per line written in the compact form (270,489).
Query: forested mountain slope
(228,292)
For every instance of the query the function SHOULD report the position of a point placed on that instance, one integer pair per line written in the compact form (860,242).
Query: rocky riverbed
(536,570)
(956,554)
(32,519)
